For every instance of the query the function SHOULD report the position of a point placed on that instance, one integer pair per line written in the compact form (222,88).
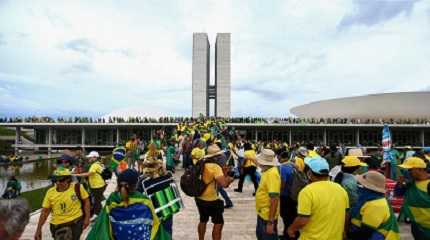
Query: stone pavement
(239,221)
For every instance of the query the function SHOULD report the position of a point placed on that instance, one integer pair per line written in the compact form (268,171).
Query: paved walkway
(239,221)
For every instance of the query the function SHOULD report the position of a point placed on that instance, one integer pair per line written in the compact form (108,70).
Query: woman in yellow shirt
(249,167)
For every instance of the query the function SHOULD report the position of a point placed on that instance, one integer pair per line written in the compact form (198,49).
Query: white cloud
(138,55)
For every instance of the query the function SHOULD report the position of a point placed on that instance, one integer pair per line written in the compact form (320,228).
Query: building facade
(202,90)
(200,74)
(223,75)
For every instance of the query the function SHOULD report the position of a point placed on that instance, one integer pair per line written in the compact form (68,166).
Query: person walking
(128,214)
(267,196)
(322,205)
(416,205)
(372,217)
(208,204)
(96,182)
(64,202)
(347,179)
(249,167)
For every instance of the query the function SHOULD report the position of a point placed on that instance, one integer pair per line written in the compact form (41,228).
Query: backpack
(106,174)
(192,180)
(78,194)
(296,183)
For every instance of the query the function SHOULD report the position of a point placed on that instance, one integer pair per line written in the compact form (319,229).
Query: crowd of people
(253,120)
(319,192)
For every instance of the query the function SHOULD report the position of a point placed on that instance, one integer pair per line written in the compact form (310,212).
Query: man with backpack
(292,181)
(96,182)
(205,191)
(69,205)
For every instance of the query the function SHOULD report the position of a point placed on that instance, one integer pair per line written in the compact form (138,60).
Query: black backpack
(106,174)
(192,180)
(297,182)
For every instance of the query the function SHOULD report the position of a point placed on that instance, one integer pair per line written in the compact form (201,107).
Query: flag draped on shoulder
(135,220)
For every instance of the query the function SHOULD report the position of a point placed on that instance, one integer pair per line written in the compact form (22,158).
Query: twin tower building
(203,90)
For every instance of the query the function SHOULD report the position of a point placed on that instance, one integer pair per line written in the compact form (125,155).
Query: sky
(66,58)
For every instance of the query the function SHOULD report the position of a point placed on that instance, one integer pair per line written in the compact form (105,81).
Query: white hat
(93,154)
(267,158)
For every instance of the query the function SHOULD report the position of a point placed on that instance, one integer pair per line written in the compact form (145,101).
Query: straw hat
(413,162)
(213,150)
(357,152)
(372,180)
(352,161)
(267,158)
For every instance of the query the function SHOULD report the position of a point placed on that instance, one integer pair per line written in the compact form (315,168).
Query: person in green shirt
(416,205)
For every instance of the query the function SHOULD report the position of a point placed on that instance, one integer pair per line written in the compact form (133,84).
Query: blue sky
(99,57)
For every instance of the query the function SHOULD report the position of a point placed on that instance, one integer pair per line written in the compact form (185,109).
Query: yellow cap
(312,153)
(413,162)
(352,161)
(62,172)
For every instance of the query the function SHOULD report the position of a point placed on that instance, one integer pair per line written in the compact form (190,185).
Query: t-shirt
(211,171)
(197,154)
(325,203)
(300,163)
(95,179)
(374,213)
(270,186)
(65,206)
(286,170)
(248,155)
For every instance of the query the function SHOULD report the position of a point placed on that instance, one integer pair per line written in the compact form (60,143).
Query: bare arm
(87,212)
(87,174)
(270,227)
(273,207)
(298,224)
(42,219)
(224,181)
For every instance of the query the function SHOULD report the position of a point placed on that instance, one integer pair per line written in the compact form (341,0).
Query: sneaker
(237,190)
(228,206)
(93,218)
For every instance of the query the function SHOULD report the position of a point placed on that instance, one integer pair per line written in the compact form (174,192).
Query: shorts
(67,231)
(212,209)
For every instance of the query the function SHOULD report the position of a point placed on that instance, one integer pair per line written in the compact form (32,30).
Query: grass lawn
(35,197)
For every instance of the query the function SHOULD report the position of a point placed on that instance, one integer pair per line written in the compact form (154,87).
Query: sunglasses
(61,179)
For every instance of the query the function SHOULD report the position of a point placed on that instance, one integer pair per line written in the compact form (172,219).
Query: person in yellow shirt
(209,204)
(372,217)
(249,167)
(267,196)
(198,152)
(64,202)
(299,159)
(96,182)
(322,205)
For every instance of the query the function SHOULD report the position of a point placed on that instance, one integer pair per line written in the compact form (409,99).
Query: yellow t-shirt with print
(269,186)
(210,172)
(197,154)
(300,163)
(248,155)
(95,179)
(65,206)
(374,214)
(326,204)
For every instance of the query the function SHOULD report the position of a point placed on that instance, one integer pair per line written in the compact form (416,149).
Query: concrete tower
(202,90)
(201,74)
(222,75)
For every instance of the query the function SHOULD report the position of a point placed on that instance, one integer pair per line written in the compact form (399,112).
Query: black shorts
(213,209)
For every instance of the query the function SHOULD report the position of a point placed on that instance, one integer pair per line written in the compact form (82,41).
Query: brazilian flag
(135,220)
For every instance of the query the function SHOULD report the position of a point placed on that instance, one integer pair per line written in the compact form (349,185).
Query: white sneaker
(93,218)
